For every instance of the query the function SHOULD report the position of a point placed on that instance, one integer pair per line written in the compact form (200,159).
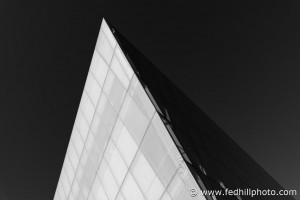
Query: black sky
(238,60)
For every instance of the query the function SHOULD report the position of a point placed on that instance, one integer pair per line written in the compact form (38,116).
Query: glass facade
(119,148)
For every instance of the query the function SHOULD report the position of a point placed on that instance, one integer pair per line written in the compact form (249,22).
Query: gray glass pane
(162,131)
(140,97)
(65,182)
(120,196)
(155,190)
(92,88)
(69,169)
(83,182)
(153,148)
(100,133)
(109,183)
(166,196)
(75,189)
(98,68)
(134,119)
(77,142)
(88,167)
(166,170)
(119,72)
(176,188)
(123,61)
(106,112)
(71,197)
(98,190)
(61,192)
(146,178)
(82,125)
(93,149)
(115,162)
(104,47)
(91,197)
(131,190)
(114,90)
(124,142)
(73,155)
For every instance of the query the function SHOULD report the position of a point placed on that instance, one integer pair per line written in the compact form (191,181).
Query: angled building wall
(119,148)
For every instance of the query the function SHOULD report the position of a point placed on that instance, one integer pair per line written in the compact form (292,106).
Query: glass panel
(123,61)
(71,197)
(166,170)
(91,196)
(85,191)
(146,178)
(178,160)
(93,149)
(115,162)
(120,197)
(155,190)
(154,155)
(99,68)
(79,175)
(69,169)
(124,142)
(77,141)
(114,90)
(162,132)
(96,125)
(176,188)
(110,186)
(80,197)
(153,100)
(88,168)
(84,157)
(98,190)
(61,192)
(166,196)
(65,182)
(92,88)
(82,125)
(118,70)
(75,189)
(88,110)
(139,95)
(133,119)
(106,112)
(142,172)
(104,48)
(130,189)
(73,156)
(100,133)
(82,181)
(84,101)
(90,142)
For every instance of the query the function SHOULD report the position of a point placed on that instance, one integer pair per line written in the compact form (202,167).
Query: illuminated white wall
(119,147)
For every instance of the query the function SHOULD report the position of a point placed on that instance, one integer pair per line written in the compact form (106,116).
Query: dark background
(238,60)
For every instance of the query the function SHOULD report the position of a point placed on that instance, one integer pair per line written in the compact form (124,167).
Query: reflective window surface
(119,148)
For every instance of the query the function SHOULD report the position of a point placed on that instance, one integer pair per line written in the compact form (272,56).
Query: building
(137,136)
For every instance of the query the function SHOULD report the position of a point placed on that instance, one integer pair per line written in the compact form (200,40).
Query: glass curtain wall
(119,147)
